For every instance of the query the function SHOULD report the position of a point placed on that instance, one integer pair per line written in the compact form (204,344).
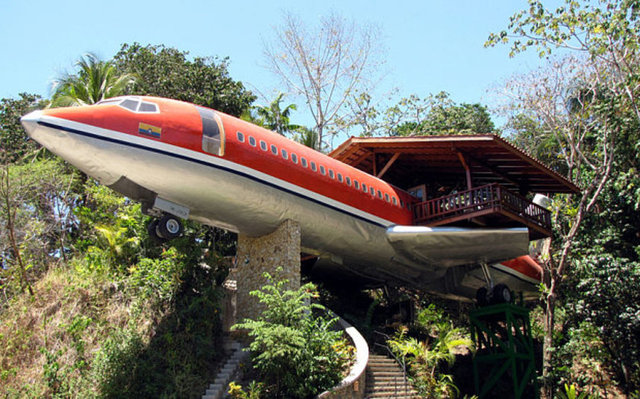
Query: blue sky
(431,45)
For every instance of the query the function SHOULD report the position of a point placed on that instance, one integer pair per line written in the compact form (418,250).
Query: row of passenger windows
(314,167)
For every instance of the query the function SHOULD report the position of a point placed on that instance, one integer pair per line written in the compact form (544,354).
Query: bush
(294,350)
(426,359)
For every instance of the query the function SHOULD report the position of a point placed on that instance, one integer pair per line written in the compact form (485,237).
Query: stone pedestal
(255,256)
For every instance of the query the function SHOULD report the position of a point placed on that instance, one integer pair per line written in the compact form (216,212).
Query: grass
(83,336)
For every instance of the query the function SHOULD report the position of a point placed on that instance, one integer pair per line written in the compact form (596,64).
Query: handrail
(490,197)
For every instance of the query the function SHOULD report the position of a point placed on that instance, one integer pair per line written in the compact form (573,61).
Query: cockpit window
(147,107)
(109,101)
(212,132)
(132,104)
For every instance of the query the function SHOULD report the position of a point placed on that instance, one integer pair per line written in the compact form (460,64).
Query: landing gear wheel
(154,234)
(501,294)
(482,296)
(169,227)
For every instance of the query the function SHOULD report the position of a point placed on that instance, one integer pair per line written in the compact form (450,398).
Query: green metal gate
(502,334)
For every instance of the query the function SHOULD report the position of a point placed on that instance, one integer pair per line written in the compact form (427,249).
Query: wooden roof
(403,161)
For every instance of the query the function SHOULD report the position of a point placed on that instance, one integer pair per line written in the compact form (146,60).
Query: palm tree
(274,118)
(308,137)
(95,81)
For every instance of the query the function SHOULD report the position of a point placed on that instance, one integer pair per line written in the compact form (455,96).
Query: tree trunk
(547,352)
(24,281)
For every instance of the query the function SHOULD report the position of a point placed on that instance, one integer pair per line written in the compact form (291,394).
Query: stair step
(217,390)
(391,388)
(213,388)
(386,379)
(387,374)
(385,368)
(376,366)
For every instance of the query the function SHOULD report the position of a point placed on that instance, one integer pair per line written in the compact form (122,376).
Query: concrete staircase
(385,379)
(229,371)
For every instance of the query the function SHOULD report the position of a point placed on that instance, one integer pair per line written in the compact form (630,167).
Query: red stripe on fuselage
(285,169)
(181,126)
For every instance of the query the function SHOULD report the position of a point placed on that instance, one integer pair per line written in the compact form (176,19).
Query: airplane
(184,161)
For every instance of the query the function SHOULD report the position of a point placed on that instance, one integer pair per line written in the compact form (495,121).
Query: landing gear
(169,227)
(498,294)
(166,228)
(482,296)
(501,294)
(492,294)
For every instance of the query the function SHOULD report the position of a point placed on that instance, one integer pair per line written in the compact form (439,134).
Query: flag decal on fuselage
(149,130)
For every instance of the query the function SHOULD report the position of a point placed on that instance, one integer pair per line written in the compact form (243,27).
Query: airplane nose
(30,121)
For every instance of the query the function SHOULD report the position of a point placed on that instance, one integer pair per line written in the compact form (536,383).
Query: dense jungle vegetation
(91,307)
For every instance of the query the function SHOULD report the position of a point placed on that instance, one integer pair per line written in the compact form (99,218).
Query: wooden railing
(478,201)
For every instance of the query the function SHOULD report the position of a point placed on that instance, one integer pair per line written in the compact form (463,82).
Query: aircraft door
(213,138)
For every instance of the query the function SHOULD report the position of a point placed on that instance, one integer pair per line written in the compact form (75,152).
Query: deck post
(466,169)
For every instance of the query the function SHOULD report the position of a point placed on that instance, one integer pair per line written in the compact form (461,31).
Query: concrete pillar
(255,256)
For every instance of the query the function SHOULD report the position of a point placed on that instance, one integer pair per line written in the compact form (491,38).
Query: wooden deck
(491,206)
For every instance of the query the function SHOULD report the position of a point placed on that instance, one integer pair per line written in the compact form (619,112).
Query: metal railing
(486,199)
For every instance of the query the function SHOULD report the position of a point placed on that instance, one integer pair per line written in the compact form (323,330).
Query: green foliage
(179,359)
(35,217)
(583,111)
(433,115)
(167,72)
(446,117)
(606,295)
(295,352)
(94,81)
(570,392)
(115,363)
(308,137)
(254,391)
(14,143)
(157,278)
(55,378)
(427,359)
(147,315)
(599,27)
(274,118)
(111,232)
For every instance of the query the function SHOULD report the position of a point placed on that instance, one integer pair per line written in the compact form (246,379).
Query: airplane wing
(452,246)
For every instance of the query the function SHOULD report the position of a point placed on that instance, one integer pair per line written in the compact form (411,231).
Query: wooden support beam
(467,170)
(375,164)
(495,171)
(388,165)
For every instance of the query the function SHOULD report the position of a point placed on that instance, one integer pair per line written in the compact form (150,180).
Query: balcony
(489,206)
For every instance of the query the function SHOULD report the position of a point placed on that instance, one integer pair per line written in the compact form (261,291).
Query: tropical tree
(308,137)
(168,72)
(443,116)
(325,66)
(294,349)
(427,358)
(14,142)
(273,117)
(587,104)
(94,81)
(413,115)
